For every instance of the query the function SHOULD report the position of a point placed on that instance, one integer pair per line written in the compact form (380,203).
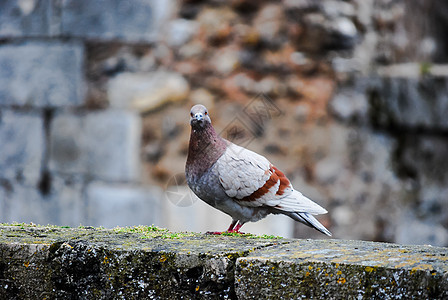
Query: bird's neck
(206,146)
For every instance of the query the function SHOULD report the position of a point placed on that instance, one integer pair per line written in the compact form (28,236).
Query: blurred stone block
(103,145)
(146,91)
(324,33)
(22,146)
(131,21)
(410,102)
(412,230)
(423,157)
(4,186)
(350,103)
(27,18)
(68,201)
(113,139)
(42,74)
(68,149)
(181,31)
(23,204)
(112,205)
(64,205)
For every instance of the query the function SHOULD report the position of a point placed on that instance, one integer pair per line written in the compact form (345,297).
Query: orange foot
(232,229)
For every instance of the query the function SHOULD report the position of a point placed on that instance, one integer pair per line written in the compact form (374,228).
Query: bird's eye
(191,114)
(206,113)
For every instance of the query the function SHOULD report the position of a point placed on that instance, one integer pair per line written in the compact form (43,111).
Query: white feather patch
(241,171)
(299,203)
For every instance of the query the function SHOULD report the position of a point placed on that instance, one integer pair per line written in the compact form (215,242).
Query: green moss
(140,229)
(425,68)
(266,236)
(144,231)
(147,232)
(176,235)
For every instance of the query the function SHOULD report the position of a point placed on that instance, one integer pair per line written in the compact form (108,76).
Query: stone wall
(94,101)
(152,263)
(61,161)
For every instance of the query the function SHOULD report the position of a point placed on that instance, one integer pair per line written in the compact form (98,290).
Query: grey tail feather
(311,221)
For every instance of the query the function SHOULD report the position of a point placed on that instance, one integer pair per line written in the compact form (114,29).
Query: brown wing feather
(284,181)
(265,188)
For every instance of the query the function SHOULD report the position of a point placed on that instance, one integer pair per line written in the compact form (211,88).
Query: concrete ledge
(146,262)
(338,269)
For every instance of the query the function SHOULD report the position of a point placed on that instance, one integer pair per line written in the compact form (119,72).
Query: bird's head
(199,117)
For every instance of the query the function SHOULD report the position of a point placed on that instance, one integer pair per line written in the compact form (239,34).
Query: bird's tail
(309,220)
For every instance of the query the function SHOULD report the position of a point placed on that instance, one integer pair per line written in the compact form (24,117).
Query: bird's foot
(233,228)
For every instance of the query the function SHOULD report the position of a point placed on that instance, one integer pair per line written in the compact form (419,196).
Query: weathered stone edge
(58,262)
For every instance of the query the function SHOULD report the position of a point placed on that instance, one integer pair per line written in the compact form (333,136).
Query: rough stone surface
(153,263)
(76,145)
(334,269)
(108,264)
(22,146)
(42,74)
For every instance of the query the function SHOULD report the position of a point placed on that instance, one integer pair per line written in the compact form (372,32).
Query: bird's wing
(252,180)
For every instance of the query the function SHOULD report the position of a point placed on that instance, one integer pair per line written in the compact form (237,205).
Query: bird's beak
(198,116)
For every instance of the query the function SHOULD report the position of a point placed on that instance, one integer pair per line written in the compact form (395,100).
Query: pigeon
(240,182)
